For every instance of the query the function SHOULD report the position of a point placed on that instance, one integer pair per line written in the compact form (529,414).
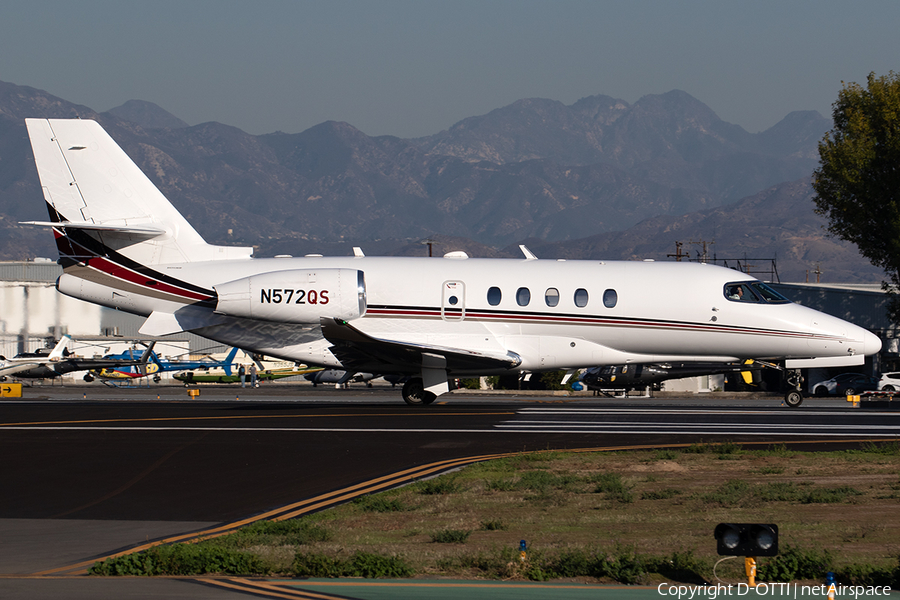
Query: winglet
(529,255)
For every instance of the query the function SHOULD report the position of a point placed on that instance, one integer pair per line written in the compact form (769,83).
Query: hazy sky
(415,68)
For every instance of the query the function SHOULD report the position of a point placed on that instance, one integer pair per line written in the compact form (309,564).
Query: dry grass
(656,502)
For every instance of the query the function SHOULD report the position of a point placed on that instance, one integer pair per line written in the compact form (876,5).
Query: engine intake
(295,296)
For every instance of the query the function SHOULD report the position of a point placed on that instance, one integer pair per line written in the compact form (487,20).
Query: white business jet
(123,245)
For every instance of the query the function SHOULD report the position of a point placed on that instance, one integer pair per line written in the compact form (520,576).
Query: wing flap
(362,352)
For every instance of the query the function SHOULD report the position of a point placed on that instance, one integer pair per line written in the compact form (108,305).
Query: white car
(889,382)
(845,384)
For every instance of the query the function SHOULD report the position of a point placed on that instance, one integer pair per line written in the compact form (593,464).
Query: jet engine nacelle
(295,296)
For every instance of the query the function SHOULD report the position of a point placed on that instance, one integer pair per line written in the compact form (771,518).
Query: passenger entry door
(453,301)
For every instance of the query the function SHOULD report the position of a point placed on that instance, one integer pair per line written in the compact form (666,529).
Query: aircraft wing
(358,351)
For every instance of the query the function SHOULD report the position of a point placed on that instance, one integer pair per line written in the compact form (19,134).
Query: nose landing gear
(794,397)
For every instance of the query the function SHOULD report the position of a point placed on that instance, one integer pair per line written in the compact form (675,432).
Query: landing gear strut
(415,394)
(793,398)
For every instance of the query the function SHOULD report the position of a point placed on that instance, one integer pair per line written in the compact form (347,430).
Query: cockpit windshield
(753,291)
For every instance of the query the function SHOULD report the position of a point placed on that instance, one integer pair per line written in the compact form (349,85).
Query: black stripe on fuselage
(66,244)
(575,318)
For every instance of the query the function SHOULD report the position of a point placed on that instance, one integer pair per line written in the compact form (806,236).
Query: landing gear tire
(88,377)
(793,399)
(415,394)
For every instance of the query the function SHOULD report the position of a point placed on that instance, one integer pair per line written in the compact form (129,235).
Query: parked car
(846,384)
(889,382)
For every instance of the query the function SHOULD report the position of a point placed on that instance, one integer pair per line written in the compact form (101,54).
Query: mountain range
(600,178)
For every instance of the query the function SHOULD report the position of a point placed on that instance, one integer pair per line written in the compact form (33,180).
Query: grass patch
(182,559)
(738,492)
(883,448)
(613,487)
(770,470)
(360,564)
(665,494)
(494,525)
(293,532)
(438,486)
(380,503)
(575,510)
(450,536)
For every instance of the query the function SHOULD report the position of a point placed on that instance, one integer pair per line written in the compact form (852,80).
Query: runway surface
(90,471)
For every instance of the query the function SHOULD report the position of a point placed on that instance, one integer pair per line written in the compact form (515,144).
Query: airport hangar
(35,315)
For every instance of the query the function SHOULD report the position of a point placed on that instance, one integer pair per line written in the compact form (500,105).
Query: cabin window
(581,297)
(453,300)
(551,296)
(610,298)
(494,295)
(523,296)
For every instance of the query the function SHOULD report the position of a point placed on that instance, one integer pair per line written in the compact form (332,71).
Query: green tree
(857,183)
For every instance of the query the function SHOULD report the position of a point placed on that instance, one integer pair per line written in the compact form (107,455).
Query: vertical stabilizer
(100,202)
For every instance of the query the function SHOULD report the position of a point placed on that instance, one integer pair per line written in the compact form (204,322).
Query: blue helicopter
(153,366)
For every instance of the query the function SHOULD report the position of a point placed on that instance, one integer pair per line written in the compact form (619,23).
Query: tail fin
(229,360)
(100,202)
(147,355)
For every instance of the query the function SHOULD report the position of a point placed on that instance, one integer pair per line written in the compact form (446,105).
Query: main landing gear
(415,394)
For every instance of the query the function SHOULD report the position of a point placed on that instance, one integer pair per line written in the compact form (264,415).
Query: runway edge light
(746,539)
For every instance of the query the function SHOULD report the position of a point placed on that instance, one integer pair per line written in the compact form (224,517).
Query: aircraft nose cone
(871,344)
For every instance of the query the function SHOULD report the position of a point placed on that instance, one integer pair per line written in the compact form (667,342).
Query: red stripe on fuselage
(104,265)
(118,271)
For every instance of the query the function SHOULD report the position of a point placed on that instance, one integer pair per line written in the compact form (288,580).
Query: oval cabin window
(581,297)
(551,297)
(610,298)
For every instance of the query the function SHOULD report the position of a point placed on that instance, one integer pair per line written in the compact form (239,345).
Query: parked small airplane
(33,361)
(123,245)
(268,370)
(338,377)
(618,377)
(151,364)
(48,364)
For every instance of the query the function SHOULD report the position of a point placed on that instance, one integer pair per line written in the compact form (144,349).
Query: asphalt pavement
(90,471)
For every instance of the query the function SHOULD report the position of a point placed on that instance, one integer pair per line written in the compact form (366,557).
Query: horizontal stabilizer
(149,231)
